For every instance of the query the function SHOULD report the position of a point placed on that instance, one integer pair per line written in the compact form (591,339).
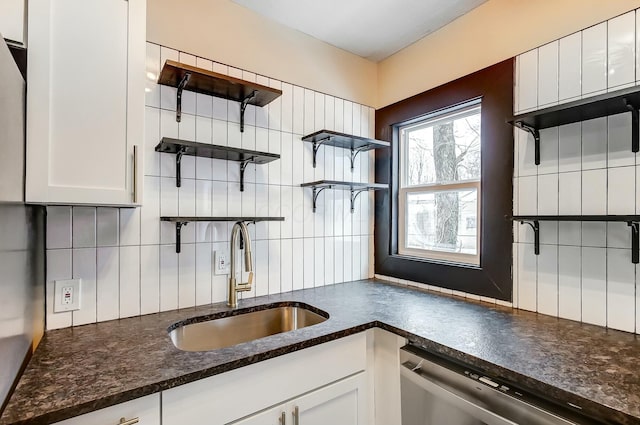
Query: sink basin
(243,327)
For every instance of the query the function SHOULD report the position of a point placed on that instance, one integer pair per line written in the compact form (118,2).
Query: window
(439,191)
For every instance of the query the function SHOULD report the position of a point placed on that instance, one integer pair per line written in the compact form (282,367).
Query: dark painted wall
(22,274)
(493,278)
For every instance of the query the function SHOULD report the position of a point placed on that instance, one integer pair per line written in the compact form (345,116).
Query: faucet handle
(243,287)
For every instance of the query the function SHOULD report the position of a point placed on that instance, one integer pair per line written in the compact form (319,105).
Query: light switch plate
(221,261)
(67,295)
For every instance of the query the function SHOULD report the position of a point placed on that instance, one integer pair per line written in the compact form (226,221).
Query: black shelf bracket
(179,154)
(316,146)
(354,153)
(181,86)
(535,225)
(536,137)
(179,225)
(354,196)
(243,166)
(635,241)
(635,130)
(316,192)
(243,108)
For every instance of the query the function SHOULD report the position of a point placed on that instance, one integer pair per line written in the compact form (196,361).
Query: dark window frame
(494,85)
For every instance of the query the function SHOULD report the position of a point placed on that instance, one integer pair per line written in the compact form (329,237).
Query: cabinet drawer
(146,410)
(241,392)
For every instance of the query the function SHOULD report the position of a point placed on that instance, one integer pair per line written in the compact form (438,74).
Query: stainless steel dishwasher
(436,391)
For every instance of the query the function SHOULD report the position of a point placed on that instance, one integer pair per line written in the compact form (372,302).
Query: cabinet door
(146,410)
(342,403)
(274,416)
(12,20)
(85,103)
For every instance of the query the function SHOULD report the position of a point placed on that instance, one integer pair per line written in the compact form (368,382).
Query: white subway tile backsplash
(528,81)
(149,279)
(594,304)
(619,136)
(58,268)
(594,192)
(129,226)
(59,231)
(168,278)
(548,56)
(107,284)
(135,268)
(548,196)
(107,226)
(621,185)
(621,289)
(547,283)
(594,234)
(549,151)
(152,138)
(527,277)
(187,276)
(594,59)
(570,194)
(594,144)
(595,174)
(570,63)
(570,147)
(569,282)
(621,51)
(84,227)
(84,267)
(129,281)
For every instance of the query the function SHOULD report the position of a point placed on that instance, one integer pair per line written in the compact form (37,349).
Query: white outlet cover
(75,285)
(219,256)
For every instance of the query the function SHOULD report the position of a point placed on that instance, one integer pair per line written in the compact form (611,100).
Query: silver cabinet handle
(283,419)
(135,176)
(123,421)
(296,416)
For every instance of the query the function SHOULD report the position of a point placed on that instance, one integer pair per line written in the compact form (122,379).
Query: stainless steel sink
(244,327)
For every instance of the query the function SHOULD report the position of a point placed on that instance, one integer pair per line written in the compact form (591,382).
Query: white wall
(584,271)
(127,258)
(233,34)
(495,31)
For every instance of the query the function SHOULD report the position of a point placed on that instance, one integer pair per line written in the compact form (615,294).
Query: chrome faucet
(239,228)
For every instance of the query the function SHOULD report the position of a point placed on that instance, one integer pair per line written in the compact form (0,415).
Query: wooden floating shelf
(183,220)
(199,80)
(354,187)
(356,144)
(184,147)
(617,102)
(633,221)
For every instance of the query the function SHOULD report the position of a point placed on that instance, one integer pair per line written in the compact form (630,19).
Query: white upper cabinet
(12,20)
(85,103)
(548,74)
(621,51)
(594,60)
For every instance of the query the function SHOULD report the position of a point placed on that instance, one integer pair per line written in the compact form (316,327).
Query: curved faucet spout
(239,229)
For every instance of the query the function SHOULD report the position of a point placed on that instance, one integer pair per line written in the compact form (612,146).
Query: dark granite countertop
(78,370)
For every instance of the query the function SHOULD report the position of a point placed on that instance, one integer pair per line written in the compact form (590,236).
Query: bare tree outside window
(441,165)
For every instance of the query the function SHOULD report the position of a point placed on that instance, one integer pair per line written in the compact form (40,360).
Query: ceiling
(373,29)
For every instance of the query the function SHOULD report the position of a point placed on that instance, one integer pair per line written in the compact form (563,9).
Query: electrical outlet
(67,295)
(221,261)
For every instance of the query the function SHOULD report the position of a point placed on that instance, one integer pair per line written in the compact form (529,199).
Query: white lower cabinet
(145,410)
(341,403)
(308,376)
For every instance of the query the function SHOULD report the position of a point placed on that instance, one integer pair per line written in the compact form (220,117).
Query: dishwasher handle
(442,393)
